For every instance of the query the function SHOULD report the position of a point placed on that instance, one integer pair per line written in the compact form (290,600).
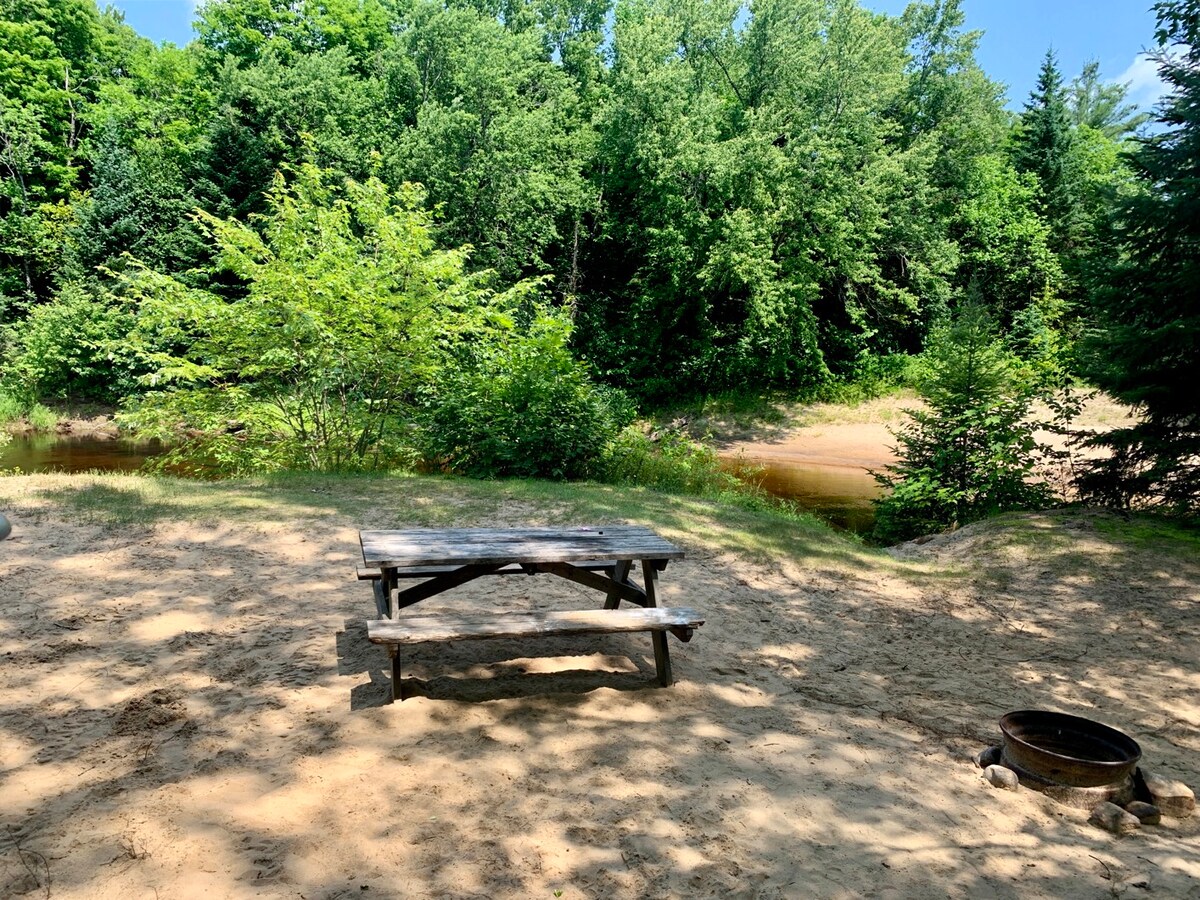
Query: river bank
(185,713)
(860,436)
(817,456)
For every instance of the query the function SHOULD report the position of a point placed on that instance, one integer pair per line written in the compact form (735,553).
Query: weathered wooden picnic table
(598,557)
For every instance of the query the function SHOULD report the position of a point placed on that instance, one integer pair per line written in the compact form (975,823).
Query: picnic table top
(488,546)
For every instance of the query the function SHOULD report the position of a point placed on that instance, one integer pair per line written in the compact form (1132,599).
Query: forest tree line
(665,197)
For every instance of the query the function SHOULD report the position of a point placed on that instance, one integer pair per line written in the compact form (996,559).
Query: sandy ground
(99,426)
(193,710)
(858,445)
(862,438)
(812,434)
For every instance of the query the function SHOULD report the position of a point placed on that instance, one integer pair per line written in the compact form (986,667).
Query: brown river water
(841,495)
(68,453)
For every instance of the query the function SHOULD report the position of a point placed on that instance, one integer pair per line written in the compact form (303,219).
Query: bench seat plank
(423,629)
(365,574)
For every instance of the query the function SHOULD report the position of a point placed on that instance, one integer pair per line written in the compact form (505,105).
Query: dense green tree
(311,107)
(1005,244)
(143,151)
(56,58)
(573,33)
(766,213)
(246,30)
(1146,351)
(46,49)
(496,137)
(1102,106)
(1106,180)
(71,348)
(233,168)
(137,204)
(949,100)
(1044,146)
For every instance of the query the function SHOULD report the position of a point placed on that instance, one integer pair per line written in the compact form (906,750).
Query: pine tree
(1103,105)
(1044,144)
(1147,348)
(972,450)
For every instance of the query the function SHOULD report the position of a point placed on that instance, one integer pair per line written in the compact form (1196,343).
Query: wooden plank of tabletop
(464,546)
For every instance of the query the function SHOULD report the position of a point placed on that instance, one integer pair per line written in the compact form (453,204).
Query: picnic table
(597,557)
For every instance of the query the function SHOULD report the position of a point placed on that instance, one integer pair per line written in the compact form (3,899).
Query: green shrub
(673,463)
(876,376)
(972,452)
(73,347)
(518,403)
(40,418)
(344,316)
(11,409)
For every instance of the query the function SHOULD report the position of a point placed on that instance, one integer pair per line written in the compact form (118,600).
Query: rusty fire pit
(1068,750)
(1074,760)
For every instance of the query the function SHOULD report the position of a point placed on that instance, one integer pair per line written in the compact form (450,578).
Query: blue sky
(1016,36)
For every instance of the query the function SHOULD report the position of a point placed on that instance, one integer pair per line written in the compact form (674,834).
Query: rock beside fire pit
(1113,819)
(989,756)
(998,776)
(1147,813)
(1077,797)
(1173,798)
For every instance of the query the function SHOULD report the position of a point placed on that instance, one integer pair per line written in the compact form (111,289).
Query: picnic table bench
(599,557)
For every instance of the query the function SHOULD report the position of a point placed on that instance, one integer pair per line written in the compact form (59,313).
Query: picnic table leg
(381,597)
(394,653)
(620,574)
(649,574)
(662,653)
(662,658)
(388,577)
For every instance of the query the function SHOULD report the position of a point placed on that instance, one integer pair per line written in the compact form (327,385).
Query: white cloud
(1145,87)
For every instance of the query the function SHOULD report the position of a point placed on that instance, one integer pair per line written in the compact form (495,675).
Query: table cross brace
(612,587)
(439,583)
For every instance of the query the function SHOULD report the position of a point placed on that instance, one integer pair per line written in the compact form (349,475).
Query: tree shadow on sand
(184,711)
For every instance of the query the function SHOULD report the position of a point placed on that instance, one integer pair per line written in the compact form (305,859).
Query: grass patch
(1151,532)
(705,526)
(885,410)
(392,501)
(742,409)
(41,418)
(11,409)
(37,416)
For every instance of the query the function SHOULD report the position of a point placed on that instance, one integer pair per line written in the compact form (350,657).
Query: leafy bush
(41,418)
(14,409)
(212,431)
(344,309)
(11,409)
(517,403)
(673,463)
(875,376)
(72,348)
(972,452)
